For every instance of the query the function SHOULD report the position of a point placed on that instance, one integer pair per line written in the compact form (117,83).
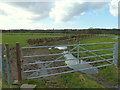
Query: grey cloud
(97,5)
(81,8)
(41,9)
(2,12)
(74,9)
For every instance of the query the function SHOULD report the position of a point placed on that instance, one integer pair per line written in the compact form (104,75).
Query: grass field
(97,47)
(70,80)
(111,72)
(12,38)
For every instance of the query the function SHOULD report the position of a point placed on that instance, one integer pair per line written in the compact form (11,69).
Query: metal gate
(35,65)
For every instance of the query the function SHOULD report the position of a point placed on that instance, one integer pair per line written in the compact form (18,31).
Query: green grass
(22,37)
(40,83)
(70,80)
(110,73)
(77,80)
(99,40)
(97,47)
(6,86)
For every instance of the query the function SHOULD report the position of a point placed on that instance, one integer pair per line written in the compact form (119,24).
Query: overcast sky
(59,14)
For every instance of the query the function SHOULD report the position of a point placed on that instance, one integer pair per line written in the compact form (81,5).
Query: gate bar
(57,58)
(64,66)
(46,46)
(93,53)
(69,71)
(66,45)
(65,53)
(96,56)
(62,60)
(48,61)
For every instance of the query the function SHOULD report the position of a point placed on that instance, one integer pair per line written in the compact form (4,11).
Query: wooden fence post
(8,63)
(18,56)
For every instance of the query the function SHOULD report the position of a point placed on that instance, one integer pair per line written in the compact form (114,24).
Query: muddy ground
(29,52)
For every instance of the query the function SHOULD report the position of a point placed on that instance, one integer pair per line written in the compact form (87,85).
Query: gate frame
(115,54)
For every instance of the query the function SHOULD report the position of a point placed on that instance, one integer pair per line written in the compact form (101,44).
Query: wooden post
(18,56)
(8,63)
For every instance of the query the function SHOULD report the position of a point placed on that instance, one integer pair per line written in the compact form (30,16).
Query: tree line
(73,31)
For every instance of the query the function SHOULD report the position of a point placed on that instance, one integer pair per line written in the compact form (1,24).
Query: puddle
(49,48)
(60,48)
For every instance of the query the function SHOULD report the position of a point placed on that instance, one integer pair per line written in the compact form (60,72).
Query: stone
(27,86)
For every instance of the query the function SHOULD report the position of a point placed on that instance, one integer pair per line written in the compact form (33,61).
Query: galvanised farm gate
(32,63)
(73,50)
